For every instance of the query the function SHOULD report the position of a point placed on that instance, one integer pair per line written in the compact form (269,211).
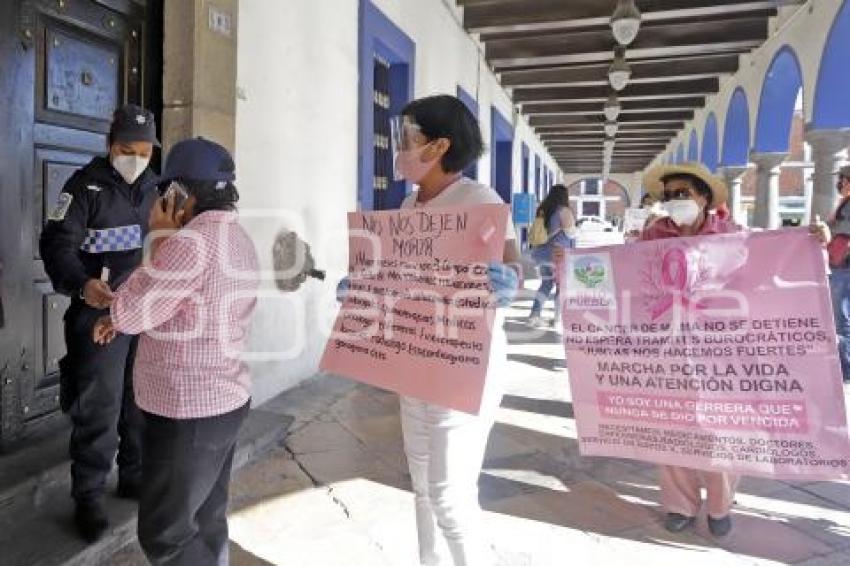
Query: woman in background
(560,228)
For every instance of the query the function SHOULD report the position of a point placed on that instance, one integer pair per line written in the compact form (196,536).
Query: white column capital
(830,141)
(829,149)
(733,172)
(768,161)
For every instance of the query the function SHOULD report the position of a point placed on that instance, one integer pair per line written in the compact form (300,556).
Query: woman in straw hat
(688,193)
(691,196)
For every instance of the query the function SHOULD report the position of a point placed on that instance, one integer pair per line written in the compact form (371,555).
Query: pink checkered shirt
(192,306)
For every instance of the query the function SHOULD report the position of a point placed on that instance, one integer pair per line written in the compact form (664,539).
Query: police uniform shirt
(98,221)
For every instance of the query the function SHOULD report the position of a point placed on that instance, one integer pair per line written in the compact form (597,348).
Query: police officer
(92,242)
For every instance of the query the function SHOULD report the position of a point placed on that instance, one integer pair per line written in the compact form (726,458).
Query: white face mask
(130,167)
(682,212)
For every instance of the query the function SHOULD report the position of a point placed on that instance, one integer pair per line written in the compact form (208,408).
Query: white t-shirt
(464,192)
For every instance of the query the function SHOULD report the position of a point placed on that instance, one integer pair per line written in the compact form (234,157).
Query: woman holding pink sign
(688,192)
(434,140)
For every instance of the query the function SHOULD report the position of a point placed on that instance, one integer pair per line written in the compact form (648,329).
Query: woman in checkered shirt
(192,302)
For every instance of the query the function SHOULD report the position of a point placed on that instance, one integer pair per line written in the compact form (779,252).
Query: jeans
(839,287)
(185,488)
(548,281)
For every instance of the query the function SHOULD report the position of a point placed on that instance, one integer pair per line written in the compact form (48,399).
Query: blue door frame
(538,181)
(472,104)
(525,167)
(380,36)
(501,154)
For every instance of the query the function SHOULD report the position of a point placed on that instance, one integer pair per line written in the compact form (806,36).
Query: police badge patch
(63,203)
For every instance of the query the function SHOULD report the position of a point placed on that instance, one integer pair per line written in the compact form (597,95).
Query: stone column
(829,149)
(733,175)
(808,184)
(199,74)
(767,189)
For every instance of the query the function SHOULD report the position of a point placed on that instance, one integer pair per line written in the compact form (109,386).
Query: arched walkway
(779,94)
(592,199)
(693,147)
(831,107)
(709,143)
(828,130)
(736,132)
(782,85)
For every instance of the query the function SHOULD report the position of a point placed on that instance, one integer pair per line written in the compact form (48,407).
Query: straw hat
(654,185)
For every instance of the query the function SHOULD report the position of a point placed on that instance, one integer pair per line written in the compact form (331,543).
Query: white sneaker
(535,321)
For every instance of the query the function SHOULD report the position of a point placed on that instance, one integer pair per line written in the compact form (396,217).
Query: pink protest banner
(417,318)
(714,352)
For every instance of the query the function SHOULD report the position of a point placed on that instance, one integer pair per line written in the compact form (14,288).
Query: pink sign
(713,352)
(417,318)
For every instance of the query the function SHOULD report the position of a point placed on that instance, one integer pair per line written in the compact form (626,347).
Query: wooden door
(65,65)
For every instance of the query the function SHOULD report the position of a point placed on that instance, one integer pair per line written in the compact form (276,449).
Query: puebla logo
(590,271)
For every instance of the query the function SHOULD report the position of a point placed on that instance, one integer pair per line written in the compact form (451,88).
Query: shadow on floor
(519,333)
(241,557)
(621,498)
(539,362)
(539,406)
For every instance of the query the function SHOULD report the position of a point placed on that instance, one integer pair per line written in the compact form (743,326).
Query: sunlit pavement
(337,492)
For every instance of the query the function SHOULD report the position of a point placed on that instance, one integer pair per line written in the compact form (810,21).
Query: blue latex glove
(504,281)
(342,289)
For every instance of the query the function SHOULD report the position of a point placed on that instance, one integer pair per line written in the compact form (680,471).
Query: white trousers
(445,452)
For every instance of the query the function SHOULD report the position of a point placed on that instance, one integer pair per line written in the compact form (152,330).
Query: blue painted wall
(501,155)
(736,132)
(680,154)
(525,167)
(472,104)
(710,149)
(693,147)
(377,34)
(778,97)
(832,94)
(538,180)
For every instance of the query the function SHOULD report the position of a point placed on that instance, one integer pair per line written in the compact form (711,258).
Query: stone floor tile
(361,403)
(835,491)
(587,506)
(765,539)
(811,515)
(377,433)
(761,486)
(275,475)
(652,545)
(320,437)
(833,559)
(350,463)
(527,542)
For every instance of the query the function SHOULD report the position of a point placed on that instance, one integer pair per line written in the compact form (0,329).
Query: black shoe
(129,489)
(677,523)
(720,527)
(91,519)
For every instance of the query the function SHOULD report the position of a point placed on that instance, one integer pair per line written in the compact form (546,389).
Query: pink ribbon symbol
(674,279)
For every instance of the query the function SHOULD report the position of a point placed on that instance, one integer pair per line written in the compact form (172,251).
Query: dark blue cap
(132,123)
(198,159)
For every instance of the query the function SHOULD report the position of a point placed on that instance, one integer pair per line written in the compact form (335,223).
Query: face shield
(404,134)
